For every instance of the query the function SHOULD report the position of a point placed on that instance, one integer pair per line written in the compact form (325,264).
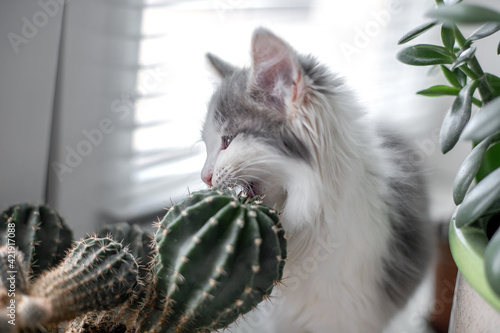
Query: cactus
(137,240)
(139,244)
(217,256)
(13,283)
(97,274)
(39,232)
(13,276)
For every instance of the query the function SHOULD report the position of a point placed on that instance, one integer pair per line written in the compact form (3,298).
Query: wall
(28,59)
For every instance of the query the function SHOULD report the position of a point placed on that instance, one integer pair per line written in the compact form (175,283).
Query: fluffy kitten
(353,205)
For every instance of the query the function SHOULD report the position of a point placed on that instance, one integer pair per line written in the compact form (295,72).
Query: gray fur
(237,111)
(412,237)
(222,67)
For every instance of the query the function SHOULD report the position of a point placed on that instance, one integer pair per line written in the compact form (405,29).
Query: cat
(352,204)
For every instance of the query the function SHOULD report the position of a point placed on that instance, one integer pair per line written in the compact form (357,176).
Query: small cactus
(13,276)
(135,238)
(13,284)
(218,255)
(38,232)
(97,274)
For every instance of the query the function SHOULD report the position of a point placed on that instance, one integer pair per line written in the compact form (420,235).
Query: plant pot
(444,281)
(476,307)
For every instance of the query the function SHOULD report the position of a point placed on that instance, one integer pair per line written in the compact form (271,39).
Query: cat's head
(255,130)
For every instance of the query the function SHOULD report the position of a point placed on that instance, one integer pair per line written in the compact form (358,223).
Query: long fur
(353,206)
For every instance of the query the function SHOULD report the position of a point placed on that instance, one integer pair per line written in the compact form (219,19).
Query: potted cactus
(215,256)
(474,234)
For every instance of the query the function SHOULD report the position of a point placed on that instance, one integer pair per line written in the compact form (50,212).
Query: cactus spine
(135,238)
(39,232)
(217,256)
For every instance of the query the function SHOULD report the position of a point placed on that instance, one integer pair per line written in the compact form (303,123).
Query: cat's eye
(226,141)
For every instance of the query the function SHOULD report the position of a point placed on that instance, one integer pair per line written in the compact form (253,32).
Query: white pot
(470,312)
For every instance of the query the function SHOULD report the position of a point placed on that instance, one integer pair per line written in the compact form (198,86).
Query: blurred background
(102,101)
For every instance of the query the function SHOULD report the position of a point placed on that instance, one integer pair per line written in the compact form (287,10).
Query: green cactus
(97,274)
(137,240)
(13,283)
(13,276)
(218,255)
(139,245)
(39,232)
(14,286)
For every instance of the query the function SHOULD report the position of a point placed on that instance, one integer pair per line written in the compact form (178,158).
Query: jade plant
(478,204)
(215,256)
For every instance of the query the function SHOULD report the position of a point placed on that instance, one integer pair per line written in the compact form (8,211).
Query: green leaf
(448,36)
(485,123)
(498,48)
(457,117)
(479,199)
(494,208)
(468,170)
(494,83)
(465,56)
(451,77)
(416,32)
(483,31)
(459,37)
(491,161)
(492,262)
(425,55)
(462,78)
(439,90)
(464,13)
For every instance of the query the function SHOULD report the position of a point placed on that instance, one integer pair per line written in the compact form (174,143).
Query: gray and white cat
(353,205)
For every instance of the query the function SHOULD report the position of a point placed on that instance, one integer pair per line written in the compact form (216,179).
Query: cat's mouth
(251,189)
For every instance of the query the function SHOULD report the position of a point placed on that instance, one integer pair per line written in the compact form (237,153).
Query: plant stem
(474,70)
(477,102)
(469,72)
(484,87)
(459,37)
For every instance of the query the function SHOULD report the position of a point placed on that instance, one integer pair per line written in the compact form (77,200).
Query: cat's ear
(276,71)
(222,67)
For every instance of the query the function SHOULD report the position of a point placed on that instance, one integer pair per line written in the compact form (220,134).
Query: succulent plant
(135,238)
(13,283)
(13,276)
(97,274)
(476,190)
(218,255)
(38,232)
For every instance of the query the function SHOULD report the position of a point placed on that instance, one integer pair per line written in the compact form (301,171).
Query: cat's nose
(207,178)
